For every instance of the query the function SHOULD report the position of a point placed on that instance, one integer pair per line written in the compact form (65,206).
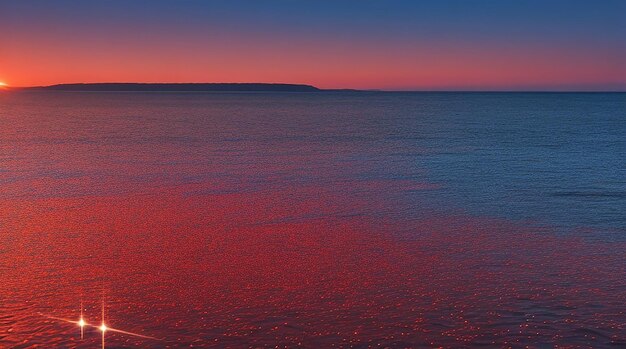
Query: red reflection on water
(285,268)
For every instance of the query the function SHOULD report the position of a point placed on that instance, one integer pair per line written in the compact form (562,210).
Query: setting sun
(3,85)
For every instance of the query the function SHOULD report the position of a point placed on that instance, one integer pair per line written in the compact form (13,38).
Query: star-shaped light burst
(102,327)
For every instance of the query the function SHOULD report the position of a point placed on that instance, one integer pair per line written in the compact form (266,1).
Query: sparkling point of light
(103,328)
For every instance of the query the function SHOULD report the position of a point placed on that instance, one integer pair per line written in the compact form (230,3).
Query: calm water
(313,220)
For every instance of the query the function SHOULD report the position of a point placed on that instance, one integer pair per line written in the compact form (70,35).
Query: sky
(365,44)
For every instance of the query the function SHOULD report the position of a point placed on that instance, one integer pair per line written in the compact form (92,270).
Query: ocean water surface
(313,220)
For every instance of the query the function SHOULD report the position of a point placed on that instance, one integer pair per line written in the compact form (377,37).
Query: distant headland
(179,87)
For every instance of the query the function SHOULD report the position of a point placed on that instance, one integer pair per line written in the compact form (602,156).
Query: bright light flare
(102,328)
(3,85)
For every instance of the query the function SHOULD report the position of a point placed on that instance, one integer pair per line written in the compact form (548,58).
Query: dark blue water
(547,158)
(552,159)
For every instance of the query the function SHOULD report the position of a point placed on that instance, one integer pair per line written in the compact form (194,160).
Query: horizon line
(425,90)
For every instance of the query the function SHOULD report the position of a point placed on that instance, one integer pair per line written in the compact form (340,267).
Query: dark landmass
(244,87)
(179,87)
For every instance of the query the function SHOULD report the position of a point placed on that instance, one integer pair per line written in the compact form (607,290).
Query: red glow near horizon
(323,64)
(401,44)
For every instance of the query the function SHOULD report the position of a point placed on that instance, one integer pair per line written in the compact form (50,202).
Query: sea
(312,220)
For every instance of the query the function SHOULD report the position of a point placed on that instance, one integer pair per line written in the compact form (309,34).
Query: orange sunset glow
(349,66)
(144,45)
